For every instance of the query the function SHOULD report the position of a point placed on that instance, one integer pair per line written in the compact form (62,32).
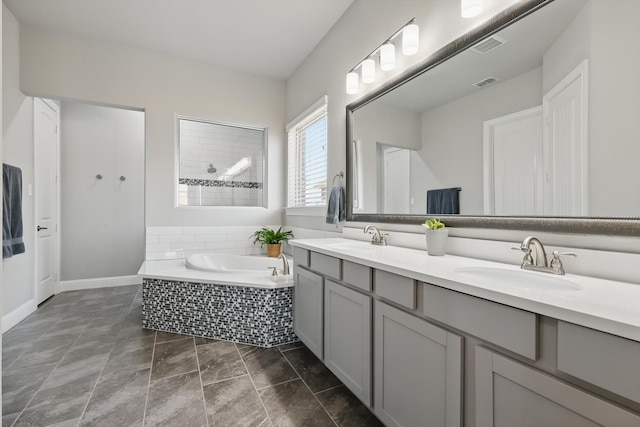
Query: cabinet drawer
(356,275)
(300,257)
(599,358)
(399,289)
(507,327)
(327,265)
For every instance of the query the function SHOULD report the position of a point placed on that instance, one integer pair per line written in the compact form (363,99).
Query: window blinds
(307,160)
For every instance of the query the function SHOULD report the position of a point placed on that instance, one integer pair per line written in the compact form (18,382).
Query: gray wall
(17,149)
(64,66)
(452,135)
(365,25)
(102,221)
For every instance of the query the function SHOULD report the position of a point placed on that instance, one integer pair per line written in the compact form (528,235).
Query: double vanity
(452,341)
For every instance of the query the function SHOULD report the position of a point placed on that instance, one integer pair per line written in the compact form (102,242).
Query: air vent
(486,82)
(488,44)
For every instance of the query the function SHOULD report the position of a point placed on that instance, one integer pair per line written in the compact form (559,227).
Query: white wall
(102,221)
(365,25)
(17,149)
(615,65)
(63,66)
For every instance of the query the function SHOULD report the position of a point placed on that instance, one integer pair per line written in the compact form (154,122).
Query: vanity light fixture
(470,8)
(368,70)
(387,56)
(353,80)
(410,39)
(387,53)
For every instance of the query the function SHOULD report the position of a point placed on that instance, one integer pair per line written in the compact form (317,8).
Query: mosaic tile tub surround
(257,316)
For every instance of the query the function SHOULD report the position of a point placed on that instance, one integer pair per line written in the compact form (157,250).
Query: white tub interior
(229,263)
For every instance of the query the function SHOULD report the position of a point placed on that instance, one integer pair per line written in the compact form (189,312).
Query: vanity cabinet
(419,354)
(308,309)
(347,338)
(418,371)
(508,394)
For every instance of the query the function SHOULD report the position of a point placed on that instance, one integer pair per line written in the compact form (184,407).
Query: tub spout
(285,267)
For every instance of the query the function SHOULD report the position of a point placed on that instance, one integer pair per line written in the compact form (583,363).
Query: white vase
(437,241)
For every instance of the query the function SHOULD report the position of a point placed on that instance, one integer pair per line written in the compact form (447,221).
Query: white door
(513,164)
(46,197)
(565,146)
(396,181)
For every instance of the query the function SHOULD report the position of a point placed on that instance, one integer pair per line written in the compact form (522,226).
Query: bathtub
(237,264)
(221,296)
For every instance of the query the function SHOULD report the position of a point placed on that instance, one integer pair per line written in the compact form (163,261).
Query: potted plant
(272,238)
(436,236)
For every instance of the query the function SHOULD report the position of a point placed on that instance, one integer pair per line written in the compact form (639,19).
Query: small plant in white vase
(436,236)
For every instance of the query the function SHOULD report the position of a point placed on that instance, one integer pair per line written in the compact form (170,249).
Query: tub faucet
(378,237)
(540,263)
(285,267)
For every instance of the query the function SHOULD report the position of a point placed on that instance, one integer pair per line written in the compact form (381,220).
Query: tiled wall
(180,242)
(255,316)
(203,145)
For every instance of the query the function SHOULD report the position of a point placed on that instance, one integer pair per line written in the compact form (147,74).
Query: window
(307,157)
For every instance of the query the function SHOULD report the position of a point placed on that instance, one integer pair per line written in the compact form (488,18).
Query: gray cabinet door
(307,309)
(347,338)
(511,394)
(418,371)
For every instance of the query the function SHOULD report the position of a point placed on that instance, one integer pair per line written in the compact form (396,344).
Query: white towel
(336,206)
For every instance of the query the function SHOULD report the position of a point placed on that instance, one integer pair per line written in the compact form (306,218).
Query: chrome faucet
(378,237)
(285,267)
(540,263)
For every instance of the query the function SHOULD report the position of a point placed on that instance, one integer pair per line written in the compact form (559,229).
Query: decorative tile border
(256,316)
(219,183)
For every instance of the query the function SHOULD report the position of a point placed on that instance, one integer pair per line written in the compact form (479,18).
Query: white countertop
(175,270)
(605,305)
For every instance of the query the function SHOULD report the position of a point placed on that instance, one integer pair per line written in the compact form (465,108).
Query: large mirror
(528,121)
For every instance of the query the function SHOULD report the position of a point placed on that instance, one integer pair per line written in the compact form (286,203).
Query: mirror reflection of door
(565,146)
(396,189)
(513,181)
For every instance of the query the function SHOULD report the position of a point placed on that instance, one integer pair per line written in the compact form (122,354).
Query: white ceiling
(268,38)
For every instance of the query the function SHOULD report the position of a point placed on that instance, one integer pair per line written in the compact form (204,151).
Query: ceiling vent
(488,44)
(486,82)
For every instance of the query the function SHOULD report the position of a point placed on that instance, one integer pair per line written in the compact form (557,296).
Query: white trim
(323,101)
(100,282)
(307,211)
(18,315)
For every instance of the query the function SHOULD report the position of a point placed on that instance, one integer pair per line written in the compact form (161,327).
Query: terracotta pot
(437,241)
(273,249)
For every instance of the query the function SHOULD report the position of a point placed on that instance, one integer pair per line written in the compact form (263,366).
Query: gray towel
(443,201)
(336,211)
(12,243)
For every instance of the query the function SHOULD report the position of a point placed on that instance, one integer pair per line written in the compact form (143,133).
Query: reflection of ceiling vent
(488,44)
(486,82)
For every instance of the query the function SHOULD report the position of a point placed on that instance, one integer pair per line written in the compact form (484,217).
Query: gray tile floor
(83,359)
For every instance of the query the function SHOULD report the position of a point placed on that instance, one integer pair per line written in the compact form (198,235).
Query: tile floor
(83,359)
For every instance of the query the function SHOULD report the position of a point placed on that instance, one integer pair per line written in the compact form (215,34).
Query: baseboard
(100,282)
(18,315)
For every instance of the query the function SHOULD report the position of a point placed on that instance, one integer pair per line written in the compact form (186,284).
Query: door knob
(42,228)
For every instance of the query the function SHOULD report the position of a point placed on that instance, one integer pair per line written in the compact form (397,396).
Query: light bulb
(352,83)
(368,70)
(387,57)
(470,8)
(410,39)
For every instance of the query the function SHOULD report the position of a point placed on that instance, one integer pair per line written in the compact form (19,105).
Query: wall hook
(99,177)
(123,178)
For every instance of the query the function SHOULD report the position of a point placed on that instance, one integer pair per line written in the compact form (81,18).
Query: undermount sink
(356,246)
(523,279)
